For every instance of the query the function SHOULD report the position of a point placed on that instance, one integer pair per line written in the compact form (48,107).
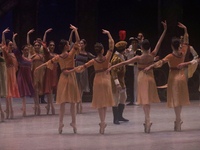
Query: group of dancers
(37,75)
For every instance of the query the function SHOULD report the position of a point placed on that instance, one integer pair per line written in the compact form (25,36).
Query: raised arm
(45,34)
(14,42)
(186,36)
(3,36)
(76,32)
(110,39)
(28,38)
(161,38)
(70,37)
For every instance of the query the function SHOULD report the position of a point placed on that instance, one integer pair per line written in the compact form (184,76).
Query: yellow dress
(146,85)
(67,89)
(177,89)
(102,90)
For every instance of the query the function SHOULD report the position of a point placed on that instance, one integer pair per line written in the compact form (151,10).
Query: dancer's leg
(73,115)
(62,113)
(23,106)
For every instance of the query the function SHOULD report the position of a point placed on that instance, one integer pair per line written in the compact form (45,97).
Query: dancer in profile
(3,85)
(11,67)
(146,86)
(50,76)
(177,89)
(102,90)
(67,89)
(24,76)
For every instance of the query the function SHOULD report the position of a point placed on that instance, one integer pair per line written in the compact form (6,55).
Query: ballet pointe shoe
(147,126)
(2,116)
(60,128)
(80,109)
(38,111)
(102,127)
(23,112)
(74,127)
(177,126)
(11,114)
(47,108)
(7,113)
(34,109)
(53,111)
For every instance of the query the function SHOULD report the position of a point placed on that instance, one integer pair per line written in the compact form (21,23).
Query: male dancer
(118,83)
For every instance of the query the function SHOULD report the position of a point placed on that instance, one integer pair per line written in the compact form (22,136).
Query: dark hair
(62,44)
(7,42)
(145,44)
(175,43)
(84,41)
(98,48)
(36,41)
(51,42)
(24,46)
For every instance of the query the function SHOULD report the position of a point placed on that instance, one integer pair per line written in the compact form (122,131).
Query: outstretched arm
(41,66)
(76,32)
(111,41)
(28,38)
(45,34)
(3,36)
(161,37)
(186,37)
(130,61)
(14,43)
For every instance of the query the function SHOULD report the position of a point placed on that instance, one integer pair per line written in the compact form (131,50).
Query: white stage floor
(41,132)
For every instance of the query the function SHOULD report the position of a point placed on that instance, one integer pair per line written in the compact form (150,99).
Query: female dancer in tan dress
(146,86)
(67,89)
(11,67)
(177,89)
(3,85)
(102,90)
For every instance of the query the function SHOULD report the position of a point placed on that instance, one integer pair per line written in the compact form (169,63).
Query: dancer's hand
(164,24)
(147,69)
(108,70)
(119,88)
(49,30)
(73,27)
(6,30)
(105,31)
(181,25)
(127,50)
(14,35)
(66,72)
(156,58)
(182,65)
(31,31)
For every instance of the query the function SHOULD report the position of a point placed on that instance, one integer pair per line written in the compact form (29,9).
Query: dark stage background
(90,16)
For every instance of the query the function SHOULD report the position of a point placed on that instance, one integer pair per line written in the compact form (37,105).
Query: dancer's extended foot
(102,127)
(177,126)
(53,111)
(7,113)
(2,116)
(47,108)
(12,114)
(38,111)
(60,128)
(148,126)
(34,109)
(74,127)
(23,112)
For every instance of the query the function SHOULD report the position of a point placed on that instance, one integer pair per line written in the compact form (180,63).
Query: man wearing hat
(133,51)
(118,83)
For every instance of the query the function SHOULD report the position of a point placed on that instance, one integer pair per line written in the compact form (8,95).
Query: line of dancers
(37,75)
